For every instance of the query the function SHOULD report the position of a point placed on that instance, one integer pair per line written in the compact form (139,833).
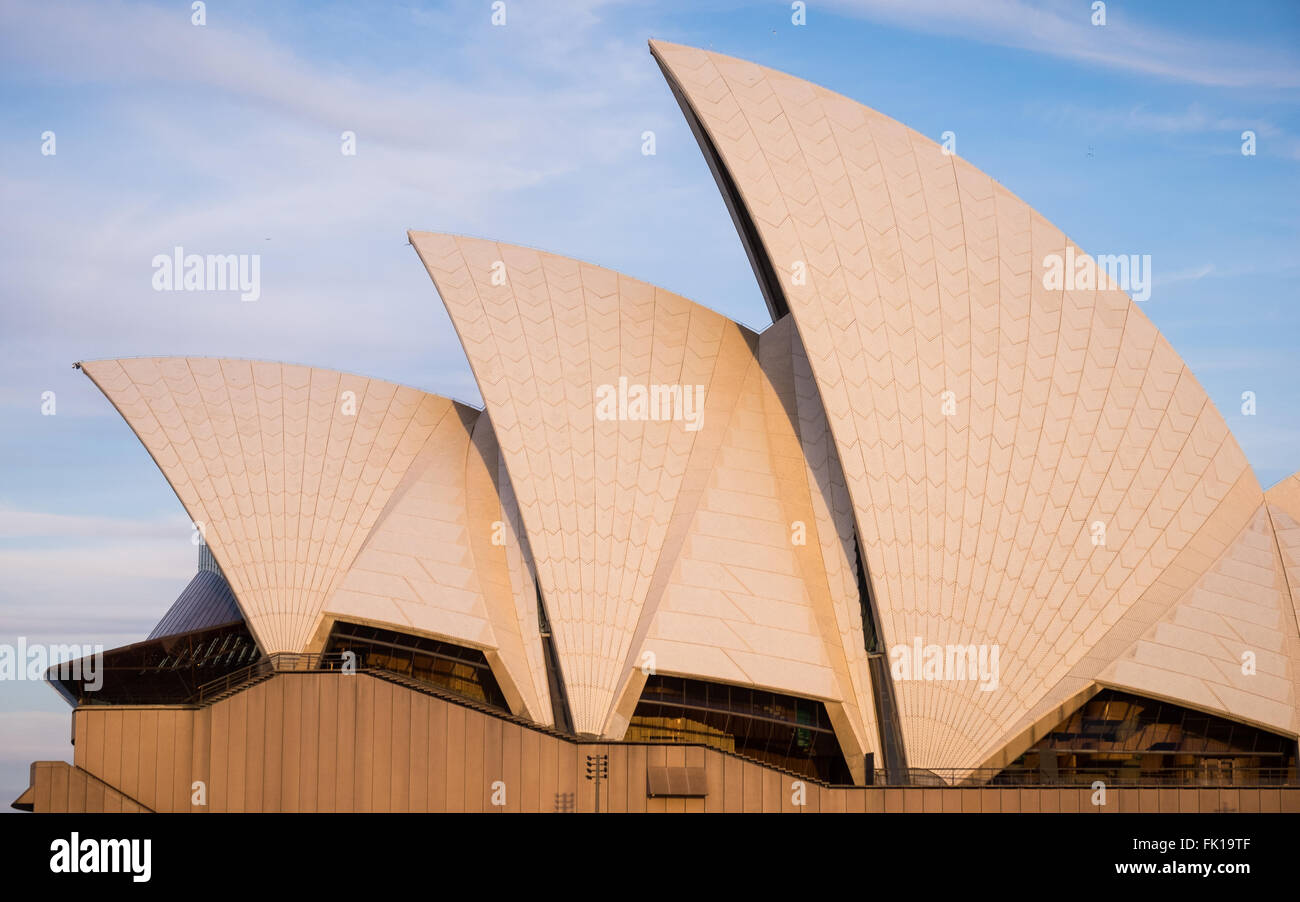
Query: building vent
(676,782)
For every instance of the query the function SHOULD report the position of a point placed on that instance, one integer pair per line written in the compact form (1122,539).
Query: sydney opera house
(939,538)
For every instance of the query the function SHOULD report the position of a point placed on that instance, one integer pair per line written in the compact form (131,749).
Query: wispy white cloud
(31,524)
(1211,270)
(1063,29)
(242,134)
(104,577)
(1193,274)
(1194,119)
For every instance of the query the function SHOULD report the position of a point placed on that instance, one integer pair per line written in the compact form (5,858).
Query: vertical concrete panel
(548,773)
(786,793)
(236,751)
(89,753)
(419,754)
(455,737)
(383,739)
(321,793)
(566,760)
(273,740)
(130,752)
(41,786)
(293,695)
(80,750)
(144,730)
(218,736)
(613,796)
(309,751)
(511,769)
(255,747)
(492,759)
(753,787)
(178,792)
(474,761)
(733,784)
(345,737)
(438,755)
(374,717)
(695,758)
(200,740)
(1168,800)
(362,778)
(112,769)
(399,790)
(57,781)
(94,797)
(77,795)
(715,780)
(530,771)
(164,776)
(773,784)
(586,799)
(636,778)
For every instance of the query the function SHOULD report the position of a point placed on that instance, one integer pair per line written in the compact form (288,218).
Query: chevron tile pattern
(989,429)
(314,501)
(597,496)
(762,592)
(648,538)
(1197,651)
(436,562)
(1284,513)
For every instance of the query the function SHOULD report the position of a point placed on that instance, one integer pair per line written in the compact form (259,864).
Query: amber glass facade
(781,730)
(464,671)
(1121,738)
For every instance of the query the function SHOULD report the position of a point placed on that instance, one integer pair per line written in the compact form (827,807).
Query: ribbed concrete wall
(328,742)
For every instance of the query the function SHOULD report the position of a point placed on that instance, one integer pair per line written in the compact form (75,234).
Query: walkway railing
(280,662)
(1084,777)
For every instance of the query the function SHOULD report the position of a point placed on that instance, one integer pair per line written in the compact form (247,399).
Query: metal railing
(1084,777)
(280,662)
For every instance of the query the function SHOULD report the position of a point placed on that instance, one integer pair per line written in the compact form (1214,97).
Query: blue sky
(226,139)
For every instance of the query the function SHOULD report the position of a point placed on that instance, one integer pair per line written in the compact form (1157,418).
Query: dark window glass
(781,730)
(463,671)
(1121,738)
(167,670)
